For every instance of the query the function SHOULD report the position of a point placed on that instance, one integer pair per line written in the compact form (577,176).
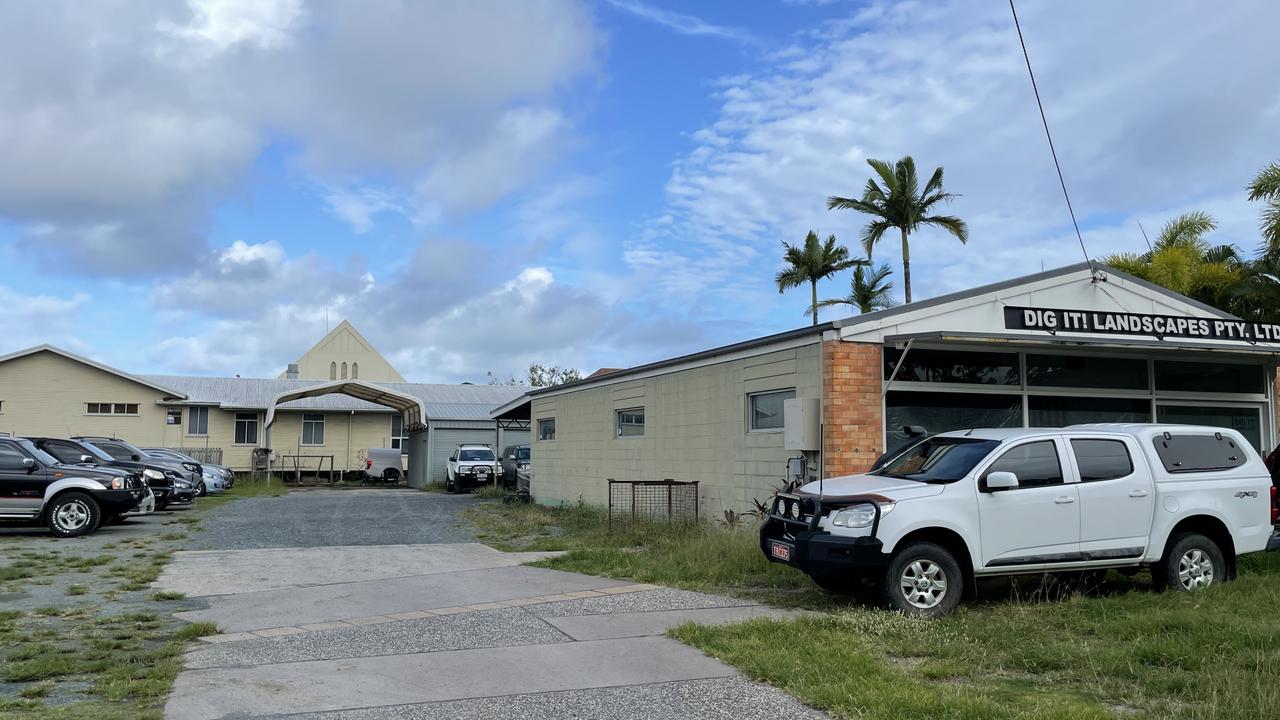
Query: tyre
(73,514)
(201,490)
(449,486)
(1193,562)
(923,579)
(161,504)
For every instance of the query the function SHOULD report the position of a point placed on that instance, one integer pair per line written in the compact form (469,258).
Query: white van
(1184,501)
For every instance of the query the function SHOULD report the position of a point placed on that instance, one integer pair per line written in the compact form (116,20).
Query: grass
(1031,648)
(88,652)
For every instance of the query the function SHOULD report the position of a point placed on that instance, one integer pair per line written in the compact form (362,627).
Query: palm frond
(887,175)
(935,183)
(1186,230)
(951,224)
(1267,184)
(872,233)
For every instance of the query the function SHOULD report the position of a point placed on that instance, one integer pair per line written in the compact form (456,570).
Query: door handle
(1137,493)
(1064,500)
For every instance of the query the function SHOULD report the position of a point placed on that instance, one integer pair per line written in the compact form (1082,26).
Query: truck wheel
(923,579)
(448,484)
(1193,562)
(73,514)
(201,490)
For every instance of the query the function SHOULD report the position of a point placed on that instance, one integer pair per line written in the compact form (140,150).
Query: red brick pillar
(852,412)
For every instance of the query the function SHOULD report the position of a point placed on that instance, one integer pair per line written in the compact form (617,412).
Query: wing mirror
(86,458)
(136,457)
(1001,480)
(29,464)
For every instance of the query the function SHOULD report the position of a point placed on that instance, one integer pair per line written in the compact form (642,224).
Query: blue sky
(194,187)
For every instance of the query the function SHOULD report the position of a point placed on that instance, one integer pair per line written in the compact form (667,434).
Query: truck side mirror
(29,464)
(1000,480)
(86,458)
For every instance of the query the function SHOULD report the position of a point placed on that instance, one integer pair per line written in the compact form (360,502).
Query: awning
(1062,340)
(518,408)
(415,413)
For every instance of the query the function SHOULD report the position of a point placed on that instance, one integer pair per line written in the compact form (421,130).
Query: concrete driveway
(441,630)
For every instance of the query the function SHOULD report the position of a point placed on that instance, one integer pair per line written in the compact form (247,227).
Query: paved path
(446,630)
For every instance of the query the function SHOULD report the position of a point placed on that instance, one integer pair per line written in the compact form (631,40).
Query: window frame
(398,442)
(101,409)
(1057,452)
(1075,458)
(751,412)
(546,422)
(169,416)
(248,419)
(308,419)
(197,412)
(617,422)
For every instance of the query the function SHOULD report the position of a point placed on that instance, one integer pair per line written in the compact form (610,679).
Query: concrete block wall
(852,406)
(695,429)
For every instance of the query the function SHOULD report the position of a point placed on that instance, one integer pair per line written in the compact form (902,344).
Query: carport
(514,415)
(413,410)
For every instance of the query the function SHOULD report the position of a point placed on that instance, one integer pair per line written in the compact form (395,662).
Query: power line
(1035,89)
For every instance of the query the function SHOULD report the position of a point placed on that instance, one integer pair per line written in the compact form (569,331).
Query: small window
(398,439)
(1198,453)
(766,409)
(333,371)
(313,429)
(344,371)
(546,429)
(111,408)
(115,450)
(198,421)
(1102,459)
(10,459)
(64,452)
(173,416)
(1035,463)
(355,371)
(246,428)
(630,422)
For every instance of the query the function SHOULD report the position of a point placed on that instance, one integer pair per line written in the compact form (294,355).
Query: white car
(1183,501)
(470,465)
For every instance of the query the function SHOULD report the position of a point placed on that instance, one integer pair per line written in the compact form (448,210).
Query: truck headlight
(860,515)
(117,483)
(153,474)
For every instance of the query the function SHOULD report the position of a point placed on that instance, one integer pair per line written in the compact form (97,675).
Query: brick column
(852,415)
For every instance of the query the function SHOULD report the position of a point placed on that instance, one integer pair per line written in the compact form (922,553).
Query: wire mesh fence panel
(206,455)
(636,501)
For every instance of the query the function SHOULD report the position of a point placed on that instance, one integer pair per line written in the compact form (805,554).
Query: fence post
(610,524)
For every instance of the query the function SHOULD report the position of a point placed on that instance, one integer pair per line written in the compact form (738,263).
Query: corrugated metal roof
(451,402)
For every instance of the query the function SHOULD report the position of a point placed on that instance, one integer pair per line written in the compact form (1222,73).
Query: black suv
(71,500)
(514,458)
(168,480)
(78,452)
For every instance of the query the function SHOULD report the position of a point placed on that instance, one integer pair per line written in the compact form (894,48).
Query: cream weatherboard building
(48,391)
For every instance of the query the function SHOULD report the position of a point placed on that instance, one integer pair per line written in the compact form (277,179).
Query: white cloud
(30,320)
(1143,127)
(141,116)
(224,23)
(680,22)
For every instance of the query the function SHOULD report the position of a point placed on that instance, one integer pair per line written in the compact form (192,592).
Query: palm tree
(868,291)
(1266,187)
(901,204)
(1184,262)
(811,262)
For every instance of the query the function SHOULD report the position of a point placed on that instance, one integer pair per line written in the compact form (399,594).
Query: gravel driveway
(327,517)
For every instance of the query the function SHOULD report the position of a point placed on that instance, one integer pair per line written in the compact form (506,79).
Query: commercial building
(49,391)
(1072,345)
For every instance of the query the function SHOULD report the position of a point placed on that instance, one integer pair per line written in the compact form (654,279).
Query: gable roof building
(341,354)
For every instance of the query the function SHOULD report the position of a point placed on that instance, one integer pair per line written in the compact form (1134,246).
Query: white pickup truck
(1184,501)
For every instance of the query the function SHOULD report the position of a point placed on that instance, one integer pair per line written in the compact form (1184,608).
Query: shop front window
(1245,420)
(1045,411)
(1086,371)
(950,366)
(1208,377)
(942,412)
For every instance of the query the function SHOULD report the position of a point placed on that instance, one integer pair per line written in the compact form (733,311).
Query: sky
(205,187)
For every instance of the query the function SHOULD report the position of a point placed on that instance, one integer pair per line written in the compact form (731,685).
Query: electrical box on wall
(802,424)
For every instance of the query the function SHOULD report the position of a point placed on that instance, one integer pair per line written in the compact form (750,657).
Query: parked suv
(470,465)
(514,459)
(180,479)
(1183,501)
(223,474)
(70,500)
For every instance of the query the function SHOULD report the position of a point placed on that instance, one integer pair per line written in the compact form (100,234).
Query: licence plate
(781,551)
